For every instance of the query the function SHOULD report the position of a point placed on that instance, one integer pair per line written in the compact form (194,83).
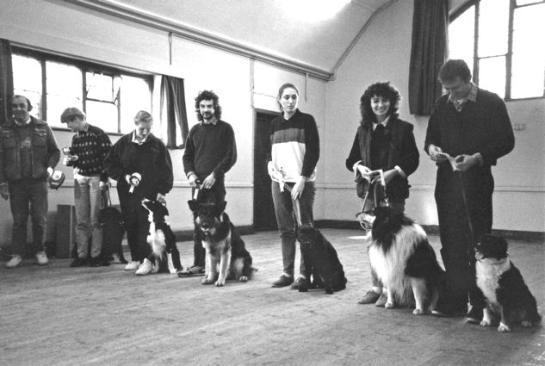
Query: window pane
(528,65)
(492,75)
(135,96)
(103,115)
(64,89)
(461,37)
(493,27)
(100,86)
(27,81)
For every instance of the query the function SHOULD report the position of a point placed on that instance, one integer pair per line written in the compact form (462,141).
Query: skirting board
(531,236)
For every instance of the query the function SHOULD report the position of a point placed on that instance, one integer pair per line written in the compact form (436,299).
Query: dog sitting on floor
(321,262)
(508,298)
(226,254)
(404,261)
(164,256)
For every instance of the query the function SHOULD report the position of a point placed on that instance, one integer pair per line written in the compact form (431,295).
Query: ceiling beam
(120,10)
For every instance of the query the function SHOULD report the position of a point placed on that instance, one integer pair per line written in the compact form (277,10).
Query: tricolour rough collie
(404,262)
(508,298)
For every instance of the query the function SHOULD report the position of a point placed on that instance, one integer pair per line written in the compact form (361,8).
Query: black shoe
(283,281)
(78,262)
(474,315)
(98,262)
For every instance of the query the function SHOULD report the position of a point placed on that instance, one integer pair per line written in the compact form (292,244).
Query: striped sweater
(295,146)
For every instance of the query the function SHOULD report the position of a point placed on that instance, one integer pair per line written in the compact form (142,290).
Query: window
(502,41)
(109,97)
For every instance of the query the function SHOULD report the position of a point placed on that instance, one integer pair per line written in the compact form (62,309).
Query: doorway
(264,218)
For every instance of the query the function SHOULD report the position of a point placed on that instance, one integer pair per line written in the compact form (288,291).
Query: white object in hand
(134,179)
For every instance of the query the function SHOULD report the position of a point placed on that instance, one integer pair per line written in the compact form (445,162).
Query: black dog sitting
(111,221)
(321,262)
(164,255)
(508,298)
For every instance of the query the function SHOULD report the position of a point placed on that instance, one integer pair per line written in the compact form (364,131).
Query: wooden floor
(104,316)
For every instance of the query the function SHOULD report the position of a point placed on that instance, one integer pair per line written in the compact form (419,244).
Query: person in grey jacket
(28,155)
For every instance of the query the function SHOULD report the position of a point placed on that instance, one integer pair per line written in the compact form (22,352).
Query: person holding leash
(295,150)
(468,131)
(383,141)
(141,165)
(210,151)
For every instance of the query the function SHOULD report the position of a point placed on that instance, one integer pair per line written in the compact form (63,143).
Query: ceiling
(277,30)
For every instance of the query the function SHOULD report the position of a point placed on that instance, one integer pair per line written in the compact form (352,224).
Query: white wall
(63,28)
(383,53)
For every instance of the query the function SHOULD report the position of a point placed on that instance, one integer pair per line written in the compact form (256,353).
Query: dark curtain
(6,81)
(428,53)
(173,105)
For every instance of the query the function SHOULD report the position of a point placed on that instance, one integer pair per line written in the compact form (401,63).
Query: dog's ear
(193,205)
(220,207)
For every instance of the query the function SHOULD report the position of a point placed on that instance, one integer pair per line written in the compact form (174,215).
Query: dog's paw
(207,281)
(418,311)
(220,283)
(503,328)
(243,279)
(485,323)
(389,305)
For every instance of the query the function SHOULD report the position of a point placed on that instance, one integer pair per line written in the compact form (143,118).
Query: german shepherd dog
(508,298)
(404,261)
(226,254)
(164,255)
(321,262)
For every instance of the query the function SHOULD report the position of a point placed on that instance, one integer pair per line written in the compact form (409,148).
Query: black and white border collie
(508,298)
(226,254)
(404,261)
(164,256)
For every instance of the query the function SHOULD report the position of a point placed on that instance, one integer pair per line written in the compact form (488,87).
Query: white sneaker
(14,261)
(132,266)
(145,268)
(41,258)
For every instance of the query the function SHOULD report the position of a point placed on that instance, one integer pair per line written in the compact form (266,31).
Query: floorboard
(104,316)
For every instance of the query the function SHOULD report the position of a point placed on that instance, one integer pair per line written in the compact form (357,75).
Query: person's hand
(103,186)
(436,154)
(209,181)
(49,171)
(363,170)
(4,191)
(464,162)
(161,199)
(388,176)
(128,179)
(66,160)
(192,180)
(298,188)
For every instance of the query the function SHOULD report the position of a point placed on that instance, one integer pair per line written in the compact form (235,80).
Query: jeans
(216,194)
(289,216)
(88,201)
(28,195)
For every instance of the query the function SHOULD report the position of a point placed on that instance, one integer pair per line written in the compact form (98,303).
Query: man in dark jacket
(468,131)
(141,165)
(28,155)
(210,151)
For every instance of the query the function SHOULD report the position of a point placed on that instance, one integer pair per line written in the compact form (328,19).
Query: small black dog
(321,262)
(508,298)
(111,221)
(164,255)
(226,254)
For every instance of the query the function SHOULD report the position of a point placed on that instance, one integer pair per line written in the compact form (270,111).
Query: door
(264,218)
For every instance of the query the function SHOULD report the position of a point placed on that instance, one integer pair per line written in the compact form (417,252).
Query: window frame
(509,54)
(84,66)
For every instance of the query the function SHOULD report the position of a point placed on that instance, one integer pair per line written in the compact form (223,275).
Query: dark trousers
(137,226)
(216,194)
(462,221)
(289,216)
(28,196)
